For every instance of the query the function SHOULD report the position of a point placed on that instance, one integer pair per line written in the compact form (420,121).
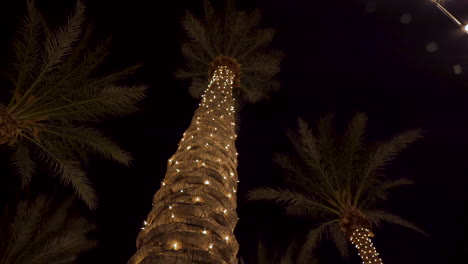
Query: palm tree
(194,213)
(338,181)
(41,233)
(54,94)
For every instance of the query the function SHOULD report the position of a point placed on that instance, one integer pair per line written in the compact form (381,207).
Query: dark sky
(342,56)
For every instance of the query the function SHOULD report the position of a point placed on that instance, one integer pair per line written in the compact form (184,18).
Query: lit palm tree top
(237,36)
(338,180)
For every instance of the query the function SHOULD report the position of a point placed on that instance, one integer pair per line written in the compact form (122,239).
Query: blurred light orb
(466,28)
(432,47)
(457,69)
(406,18)
(371,6)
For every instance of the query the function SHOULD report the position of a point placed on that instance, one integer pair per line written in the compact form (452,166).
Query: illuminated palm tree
(54,94)
(42,232)
(338,181)
(194,213)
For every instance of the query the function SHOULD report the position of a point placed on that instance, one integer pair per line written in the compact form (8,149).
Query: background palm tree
(194,213)
(54,94)
(338,180)
(42,232)
(276,256)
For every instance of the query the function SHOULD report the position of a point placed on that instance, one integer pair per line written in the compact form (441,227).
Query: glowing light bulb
(175,245)
(207,182)
(205,232)
(226,237)
(466,28)
(172,216)
(211,246)
(144,222)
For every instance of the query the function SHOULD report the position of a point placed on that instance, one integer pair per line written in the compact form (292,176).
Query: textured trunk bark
(361,238)
(194,213)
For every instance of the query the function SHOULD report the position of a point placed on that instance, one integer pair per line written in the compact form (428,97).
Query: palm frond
(90,141)
(379,216)
(69,171)
(327,146)
(61,43)
(314,236)
(339,240)
(93,103)
(288,198)
(383,155)
(379,191)
(27,46)
(23,228)
(21,160)
(43,233)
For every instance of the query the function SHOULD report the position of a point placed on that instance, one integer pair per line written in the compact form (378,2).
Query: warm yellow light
(175,245)
(466,28)
(226,237)
(207,182)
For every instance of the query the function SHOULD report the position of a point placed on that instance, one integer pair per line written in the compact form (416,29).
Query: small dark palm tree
(269,256)
(54,94)
(194,213)
(42,232)
(338,180)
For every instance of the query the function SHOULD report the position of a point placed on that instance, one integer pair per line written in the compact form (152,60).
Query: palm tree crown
(338,180)
(54,92)
(236,35)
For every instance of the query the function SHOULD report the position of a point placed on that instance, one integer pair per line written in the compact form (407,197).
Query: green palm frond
(339,240)
(288,198)
(384,153)
(88,141)
(314,236)
(27,48)
(379,216)
(67,168)
(234,34)
(42,233)
(21,160)
(380,191)
(56,94)
(90,104)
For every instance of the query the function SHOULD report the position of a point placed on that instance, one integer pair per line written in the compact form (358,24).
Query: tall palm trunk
(361,239)
(194,213)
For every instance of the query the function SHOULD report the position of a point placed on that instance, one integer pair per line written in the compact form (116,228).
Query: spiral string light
(193,214)
(360,238)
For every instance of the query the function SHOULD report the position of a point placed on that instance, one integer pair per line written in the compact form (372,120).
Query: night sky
(393,59)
